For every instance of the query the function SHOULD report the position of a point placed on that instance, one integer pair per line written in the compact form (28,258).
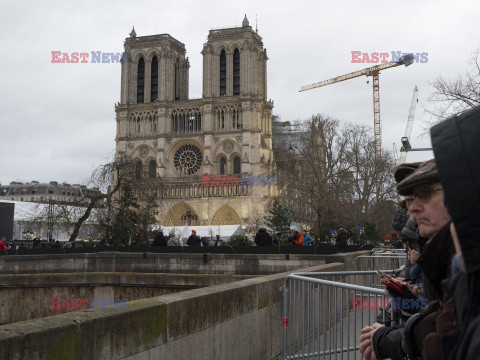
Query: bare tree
(330,176)
(372,181)
(313,171)
(109,178)
(453,96)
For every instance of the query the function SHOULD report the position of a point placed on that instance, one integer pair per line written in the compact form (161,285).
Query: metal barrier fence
(381,261)
(376,251)
(324,313)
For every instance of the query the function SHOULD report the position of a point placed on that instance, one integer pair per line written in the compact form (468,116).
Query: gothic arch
(146,150)
(177,214)
(219,49)
(234,46)
(138,55)
(235,165)
(176,145)
(152,169)
(225,215)
(151,53)
(150,158)
(219,148)
(235,153)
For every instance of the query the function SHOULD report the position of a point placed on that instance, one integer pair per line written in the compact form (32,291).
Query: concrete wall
(158,263)
(239,320)
(29,296)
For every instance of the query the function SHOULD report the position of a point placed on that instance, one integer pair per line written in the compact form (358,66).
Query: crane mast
(411,118)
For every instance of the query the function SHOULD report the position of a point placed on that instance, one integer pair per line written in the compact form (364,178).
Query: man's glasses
(422,195)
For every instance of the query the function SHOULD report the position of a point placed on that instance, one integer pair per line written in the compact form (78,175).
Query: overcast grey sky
(57,121)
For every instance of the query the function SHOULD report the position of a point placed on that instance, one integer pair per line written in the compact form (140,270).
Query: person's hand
(366,344)
(397,281)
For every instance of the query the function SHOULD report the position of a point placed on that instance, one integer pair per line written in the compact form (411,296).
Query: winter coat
(263,238)
(464,287)
(415,274)
(434,261)
(307,239)
(299,240)
(2,245)
(457,147)
(194,240)
(342,237)
(160,240)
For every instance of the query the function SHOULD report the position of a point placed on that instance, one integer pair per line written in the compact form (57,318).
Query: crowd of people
(193,240)
(343,237)
(439,223)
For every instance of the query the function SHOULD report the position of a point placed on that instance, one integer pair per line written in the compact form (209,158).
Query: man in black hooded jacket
(456,143)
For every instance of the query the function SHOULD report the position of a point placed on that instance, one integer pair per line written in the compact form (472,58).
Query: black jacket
(194,240)
(263,238)
(456,144)
(160,240)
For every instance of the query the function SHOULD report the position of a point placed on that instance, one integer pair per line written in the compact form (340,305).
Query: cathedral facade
(205,151)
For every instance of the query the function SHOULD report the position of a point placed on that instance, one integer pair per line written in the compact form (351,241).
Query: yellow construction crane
(373,71)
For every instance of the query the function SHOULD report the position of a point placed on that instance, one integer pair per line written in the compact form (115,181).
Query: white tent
(26,212)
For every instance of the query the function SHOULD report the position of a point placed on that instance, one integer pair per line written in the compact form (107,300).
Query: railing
(388,261)
(382,250)
(324,313)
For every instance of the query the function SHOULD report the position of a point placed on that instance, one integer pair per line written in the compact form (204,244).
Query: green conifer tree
(126,220)
(279,220)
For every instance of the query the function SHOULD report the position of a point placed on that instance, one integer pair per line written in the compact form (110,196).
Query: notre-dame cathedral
(197,146)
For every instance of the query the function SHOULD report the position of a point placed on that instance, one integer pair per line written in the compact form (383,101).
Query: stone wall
(239,320)
(29,296)
(260,264)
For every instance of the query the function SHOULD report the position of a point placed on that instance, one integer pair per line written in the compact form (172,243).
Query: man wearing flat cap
(420,183)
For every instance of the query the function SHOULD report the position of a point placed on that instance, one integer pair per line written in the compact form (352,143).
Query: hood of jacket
(435,262)
(456,144)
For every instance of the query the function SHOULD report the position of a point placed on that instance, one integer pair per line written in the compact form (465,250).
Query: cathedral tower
(156,70)
(234,63)
(197,146)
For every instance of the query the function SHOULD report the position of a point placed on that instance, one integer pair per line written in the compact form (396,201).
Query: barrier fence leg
(285,317)
(302,303)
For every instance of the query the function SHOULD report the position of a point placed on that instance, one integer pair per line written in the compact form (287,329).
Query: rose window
(187,160)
